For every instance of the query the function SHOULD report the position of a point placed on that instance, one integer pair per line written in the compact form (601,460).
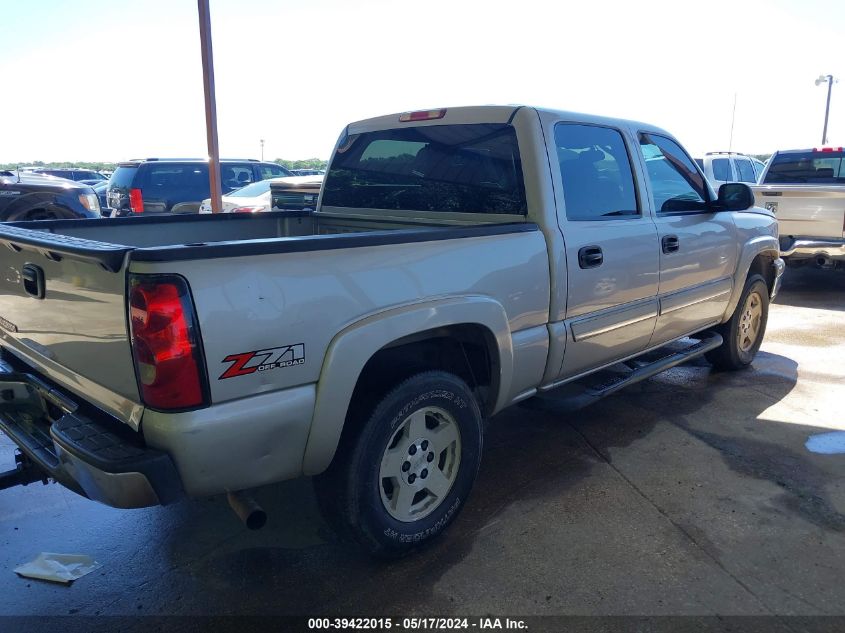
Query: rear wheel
(403,478)
(743,334)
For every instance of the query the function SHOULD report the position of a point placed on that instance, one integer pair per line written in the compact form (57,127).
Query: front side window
(473,168)
(273,171)
(722,169)
(676,184)
(235,176)
(746,170)
(598,182)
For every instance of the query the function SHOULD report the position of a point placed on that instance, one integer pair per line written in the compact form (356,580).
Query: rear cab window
(812,167)
(454,169)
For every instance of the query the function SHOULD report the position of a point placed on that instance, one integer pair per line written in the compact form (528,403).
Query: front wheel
(409,470)
(743,333)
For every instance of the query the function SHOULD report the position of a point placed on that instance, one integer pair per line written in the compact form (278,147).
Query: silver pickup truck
(459,261)
(805,189)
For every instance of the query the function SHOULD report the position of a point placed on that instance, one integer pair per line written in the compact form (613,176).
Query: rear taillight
(136,201)
(165,343)
(248,209)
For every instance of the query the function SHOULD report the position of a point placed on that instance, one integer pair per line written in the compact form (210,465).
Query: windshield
(807,167)
(440,168)
(251,190)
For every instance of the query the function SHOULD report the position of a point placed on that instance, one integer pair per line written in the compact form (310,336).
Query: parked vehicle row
(159,185)
(459,261)
(85,176)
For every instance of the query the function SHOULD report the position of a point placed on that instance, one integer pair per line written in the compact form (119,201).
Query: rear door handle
(590,257)
(670,243)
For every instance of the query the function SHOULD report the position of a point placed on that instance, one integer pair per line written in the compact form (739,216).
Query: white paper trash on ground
(58,567)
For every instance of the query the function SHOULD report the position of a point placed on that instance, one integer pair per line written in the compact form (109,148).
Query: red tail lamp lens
(136,201)
(165,343)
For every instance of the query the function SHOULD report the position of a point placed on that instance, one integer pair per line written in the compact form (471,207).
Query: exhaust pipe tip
(249,512)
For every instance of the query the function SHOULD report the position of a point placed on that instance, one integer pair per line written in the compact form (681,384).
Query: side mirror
(735,196)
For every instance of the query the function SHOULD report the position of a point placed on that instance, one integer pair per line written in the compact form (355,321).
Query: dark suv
(178,185)
(27,196)
(85,176)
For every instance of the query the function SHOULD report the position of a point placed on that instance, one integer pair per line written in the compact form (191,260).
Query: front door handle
(590,257)
(670,243)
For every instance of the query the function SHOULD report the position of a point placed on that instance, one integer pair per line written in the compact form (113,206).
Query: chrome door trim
(643,310)
(690,296)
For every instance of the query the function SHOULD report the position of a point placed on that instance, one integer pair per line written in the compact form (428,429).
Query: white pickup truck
(459,261)
(805,188)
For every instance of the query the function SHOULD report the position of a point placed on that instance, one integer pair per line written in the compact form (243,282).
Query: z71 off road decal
(264,359)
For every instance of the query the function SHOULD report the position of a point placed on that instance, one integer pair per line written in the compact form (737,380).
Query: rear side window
(676,184)
(812,167)
(165,179)
(123,177)
(746,170)
(722,169)
(598,182)
(440,168)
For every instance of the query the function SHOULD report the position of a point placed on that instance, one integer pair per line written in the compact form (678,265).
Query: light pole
(210,106)
(822,79)
(262,150)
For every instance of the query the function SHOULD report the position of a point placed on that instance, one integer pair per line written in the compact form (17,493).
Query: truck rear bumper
(80,448)
(809,247)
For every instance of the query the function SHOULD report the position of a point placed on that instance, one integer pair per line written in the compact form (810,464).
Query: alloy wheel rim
(420,464)
(750,322)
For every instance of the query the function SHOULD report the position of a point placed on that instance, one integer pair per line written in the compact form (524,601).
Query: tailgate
(63,311)
(805,210)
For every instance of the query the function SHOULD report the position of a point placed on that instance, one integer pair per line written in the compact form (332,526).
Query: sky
(109,80)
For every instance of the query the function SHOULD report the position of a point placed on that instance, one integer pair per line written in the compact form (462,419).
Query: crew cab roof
(493,114)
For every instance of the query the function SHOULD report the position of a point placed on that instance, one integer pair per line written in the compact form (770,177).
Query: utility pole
(262,150)
(210,106)
(829,79)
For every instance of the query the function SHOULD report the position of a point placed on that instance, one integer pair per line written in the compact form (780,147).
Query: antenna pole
(733,118)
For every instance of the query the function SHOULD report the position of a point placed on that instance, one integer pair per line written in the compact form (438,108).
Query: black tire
(732,354)
(40,214)
(353,492)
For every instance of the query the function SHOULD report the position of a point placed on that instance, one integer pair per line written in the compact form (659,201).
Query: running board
(709,342)
(580,393)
